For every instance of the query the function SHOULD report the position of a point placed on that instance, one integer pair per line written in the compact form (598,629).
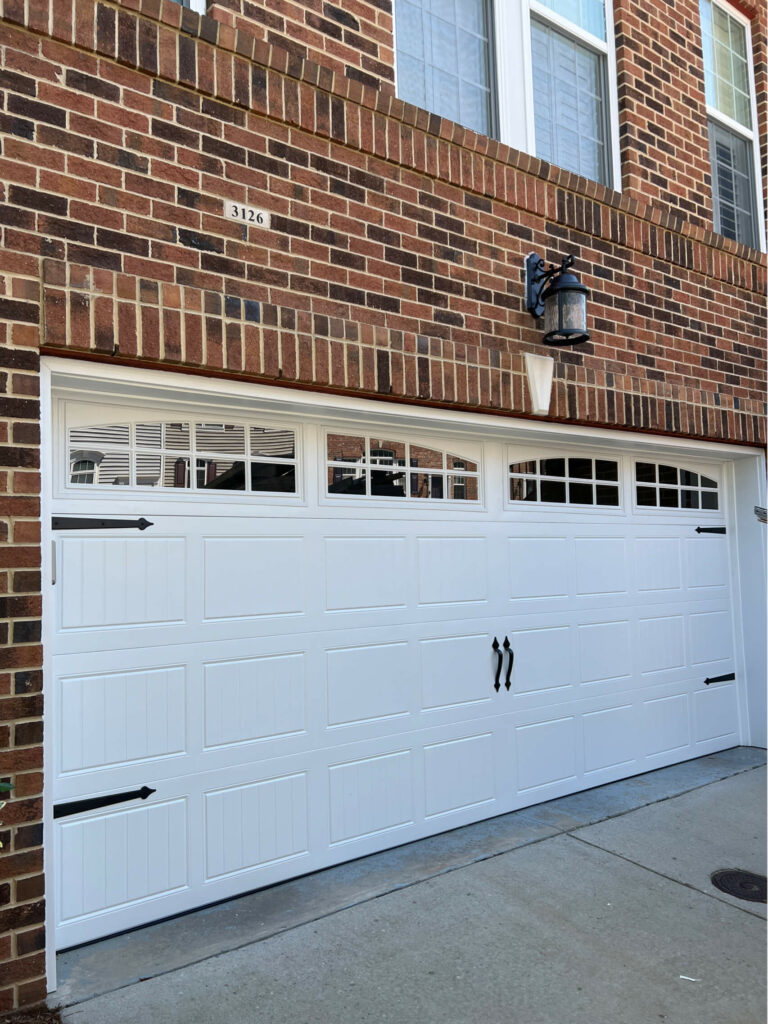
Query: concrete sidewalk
(614,922)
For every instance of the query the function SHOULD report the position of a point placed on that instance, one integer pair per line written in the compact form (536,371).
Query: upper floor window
(731,119)
(195,5)
(538,74)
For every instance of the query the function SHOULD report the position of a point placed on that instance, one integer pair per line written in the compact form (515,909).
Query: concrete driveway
(610,922)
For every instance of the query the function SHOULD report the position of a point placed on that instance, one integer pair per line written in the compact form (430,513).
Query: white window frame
(749,135)
(510,51)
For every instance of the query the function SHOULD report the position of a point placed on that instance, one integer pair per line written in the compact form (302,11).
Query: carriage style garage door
(328,640)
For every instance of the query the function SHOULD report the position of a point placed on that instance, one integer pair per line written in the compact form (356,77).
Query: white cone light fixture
(559,297)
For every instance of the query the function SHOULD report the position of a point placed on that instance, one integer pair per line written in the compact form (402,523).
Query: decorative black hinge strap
(508,647)
(727,678)
(500,655)
(81,523)
(81,806)
(710,529)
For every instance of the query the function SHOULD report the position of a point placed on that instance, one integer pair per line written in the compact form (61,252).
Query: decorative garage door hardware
(497,650)
(710,529)
(744,885)
(81,523)
(81,806)
(727,678)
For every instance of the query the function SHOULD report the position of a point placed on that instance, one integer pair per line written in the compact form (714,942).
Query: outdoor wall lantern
(559,297)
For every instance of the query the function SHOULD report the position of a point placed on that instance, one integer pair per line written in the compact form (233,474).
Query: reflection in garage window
(383,468)
(565,481)
(184,455)
(663,486)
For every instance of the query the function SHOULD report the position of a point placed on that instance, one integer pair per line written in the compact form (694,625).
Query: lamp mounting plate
(536,276)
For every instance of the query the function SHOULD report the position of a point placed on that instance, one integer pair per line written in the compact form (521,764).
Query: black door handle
(508,647)
(500,655)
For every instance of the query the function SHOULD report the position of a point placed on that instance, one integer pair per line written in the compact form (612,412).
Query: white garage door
(332,641)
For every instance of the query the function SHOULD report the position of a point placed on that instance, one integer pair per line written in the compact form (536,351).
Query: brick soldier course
(393,268)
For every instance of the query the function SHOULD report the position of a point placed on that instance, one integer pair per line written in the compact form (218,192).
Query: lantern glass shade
(565,311)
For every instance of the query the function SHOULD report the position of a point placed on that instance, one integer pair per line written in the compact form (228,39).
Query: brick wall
(22,909)
(351,37)
(393,269)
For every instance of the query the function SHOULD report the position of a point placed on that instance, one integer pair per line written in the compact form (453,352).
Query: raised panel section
(253,698)
(538,567)
(601,565)
(369,796)
(710,635)
(707,562)
(121,581)
(254,825)
(605,651)
(251,576)
(452,570)
(546,753)
(609,738)
(366,572)
(542,659)
(455,670)
(714,713)
(660,643)
(665,724)
(116,859)
(458,774)
(657,563)
(369,683)
(121,717)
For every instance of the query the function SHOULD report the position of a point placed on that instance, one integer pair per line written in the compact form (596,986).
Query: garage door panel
(715,714)
(538,569)
(605,651)
(253,576)
(710,636)
(459,774)
(609,740)
(124,582)
(666,724)
(364,573)
(455,670)
(369,682)
(370,795)
(707,563)
(601,566)
(452,570)
(107,861)
(251,699)
(658,565)
(543,659)
(546,753)
(256,825)
(121,718)
(661,644)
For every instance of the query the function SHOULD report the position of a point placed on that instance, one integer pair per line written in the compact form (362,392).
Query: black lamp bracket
(536,276)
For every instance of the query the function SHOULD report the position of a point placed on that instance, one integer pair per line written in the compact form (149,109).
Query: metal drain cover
(742,884)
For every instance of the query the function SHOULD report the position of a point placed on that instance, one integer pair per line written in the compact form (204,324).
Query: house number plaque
(246,214)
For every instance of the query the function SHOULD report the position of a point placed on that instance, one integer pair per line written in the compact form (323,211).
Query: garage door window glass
(381,468)
(565,481)
(187,456)
(661,486)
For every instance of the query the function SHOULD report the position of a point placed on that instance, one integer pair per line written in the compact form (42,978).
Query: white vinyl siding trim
(729,130)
